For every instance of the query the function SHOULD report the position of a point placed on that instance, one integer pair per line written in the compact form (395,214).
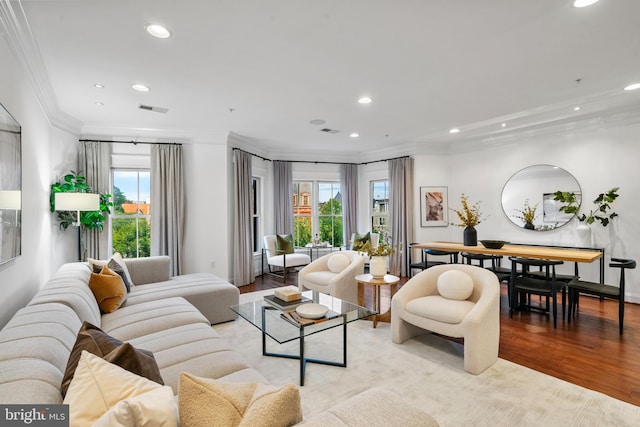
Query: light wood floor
(588,352)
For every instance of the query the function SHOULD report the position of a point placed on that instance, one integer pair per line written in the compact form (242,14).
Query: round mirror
(528,197)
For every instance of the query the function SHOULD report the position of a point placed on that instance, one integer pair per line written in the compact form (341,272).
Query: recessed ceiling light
(584,3)
(354,134)
(158,31)
(317,122)
(504,125)
(633,86)
(454,130)
(99,104)
(98,85)
(140,87)
(365,100)
(577,108)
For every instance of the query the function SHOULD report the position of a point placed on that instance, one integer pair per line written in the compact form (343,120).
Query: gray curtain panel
(400,213)
(243,273)
(167,195)
(349,191)
(283,197)
(95,164)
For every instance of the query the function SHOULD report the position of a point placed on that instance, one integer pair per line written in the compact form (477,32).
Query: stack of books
(286,299)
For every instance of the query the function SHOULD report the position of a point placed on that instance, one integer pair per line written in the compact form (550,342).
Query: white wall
(207,222)
(599,159)
(47,153)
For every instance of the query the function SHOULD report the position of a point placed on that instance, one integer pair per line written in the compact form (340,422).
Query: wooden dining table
(559,253)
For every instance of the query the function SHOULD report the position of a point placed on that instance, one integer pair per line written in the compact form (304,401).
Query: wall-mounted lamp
(11,200)
(77,202)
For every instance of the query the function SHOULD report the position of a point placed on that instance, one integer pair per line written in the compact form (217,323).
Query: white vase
(584,234)
(378,266)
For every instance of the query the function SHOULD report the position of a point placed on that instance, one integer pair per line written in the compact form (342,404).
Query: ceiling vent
(327,130)
(152,108)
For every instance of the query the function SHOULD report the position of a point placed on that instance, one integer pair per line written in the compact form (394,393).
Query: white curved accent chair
(341,282)
(418,307)
(282,261)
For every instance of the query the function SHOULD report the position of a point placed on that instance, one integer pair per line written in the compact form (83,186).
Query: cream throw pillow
(155,408)
(338,262)
(98,385)
(455,285)
(204,402)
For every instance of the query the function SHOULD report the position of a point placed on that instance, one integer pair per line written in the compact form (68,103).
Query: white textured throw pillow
(98,386)
(455,284)
(338,262)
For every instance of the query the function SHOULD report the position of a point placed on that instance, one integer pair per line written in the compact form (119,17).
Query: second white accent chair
(333,274)
(279,262)
(454,300)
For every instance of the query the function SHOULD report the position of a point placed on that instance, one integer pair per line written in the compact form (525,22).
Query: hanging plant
(75,183)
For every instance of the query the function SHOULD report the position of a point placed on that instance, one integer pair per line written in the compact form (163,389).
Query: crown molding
(19,37)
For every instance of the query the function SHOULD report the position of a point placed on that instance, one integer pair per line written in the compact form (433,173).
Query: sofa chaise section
(211,295)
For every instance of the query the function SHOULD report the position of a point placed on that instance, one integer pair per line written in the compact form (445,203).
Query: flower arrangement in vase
(378,265)
(527,215)
(469,217)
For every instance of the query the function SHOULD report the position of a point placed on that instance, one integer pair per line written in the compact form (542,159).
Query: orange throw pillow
(108,289)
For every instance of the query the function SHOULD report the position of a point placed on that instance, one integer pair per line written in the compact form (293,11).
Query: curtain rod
(129,142)
(319,162)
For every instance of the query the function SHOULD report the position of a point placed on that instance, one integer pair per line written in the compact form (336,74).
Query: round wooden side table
(376,282)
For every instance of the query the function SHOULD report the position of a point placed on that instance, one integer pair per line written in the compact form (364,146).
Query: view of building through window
(380,207)
(131,218)
(302,212)
(325,220)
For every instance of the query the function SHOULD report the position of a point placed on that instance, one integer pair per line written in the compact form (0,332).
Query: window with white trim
(380,207)
(131,218)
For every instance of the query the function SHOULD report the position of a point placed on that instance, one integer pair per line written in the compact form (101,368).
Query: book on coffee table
(297,320)
(285,305)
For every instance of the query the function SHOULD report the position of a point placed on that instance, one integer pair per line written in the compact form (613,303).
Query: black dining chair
(577,287)
(522,286)
(425,263)
(503,273)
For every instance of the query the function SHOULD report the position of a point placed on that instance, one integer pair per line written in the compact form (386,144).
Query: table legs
(384,317)
(300,356)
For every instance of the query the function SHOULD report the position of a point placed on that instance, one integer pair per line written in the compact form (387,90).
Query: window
(255,212)
(330,213)
(131,219)
(317,209)
(380,207)
(302,212)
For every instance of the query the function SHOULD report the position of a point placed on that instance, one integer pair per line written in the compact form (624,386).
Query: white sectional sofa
(36,343)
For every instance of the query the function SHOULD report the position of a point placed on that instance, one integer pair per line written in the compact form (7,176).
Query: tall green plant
(76,183)
(600,213)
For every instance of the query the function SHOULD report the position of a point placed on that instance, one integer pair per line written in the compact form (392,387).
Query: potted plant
(76,183)
(469,217)
(603,211)
(378,265)
(527,215)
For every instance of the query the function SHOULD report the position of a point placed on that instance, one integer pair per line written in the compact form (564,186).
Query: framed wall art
(434,207)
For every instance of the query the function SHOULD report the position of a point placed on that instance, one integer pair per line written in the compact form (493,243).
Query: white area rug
(428,372)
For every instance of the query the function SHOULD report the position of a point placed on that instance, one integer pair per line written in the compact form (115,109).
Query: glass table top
(268,319)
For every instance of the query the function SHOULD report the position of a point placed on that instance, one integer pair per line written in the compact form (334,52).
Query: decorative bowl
(493,244)
(312,310)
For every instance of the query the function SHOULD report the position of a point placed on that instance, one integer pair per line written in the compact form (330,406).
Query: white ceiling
(429,65)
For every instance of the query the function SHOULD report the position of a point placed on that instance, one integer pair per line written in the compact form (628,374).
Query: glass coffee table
(269,320)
